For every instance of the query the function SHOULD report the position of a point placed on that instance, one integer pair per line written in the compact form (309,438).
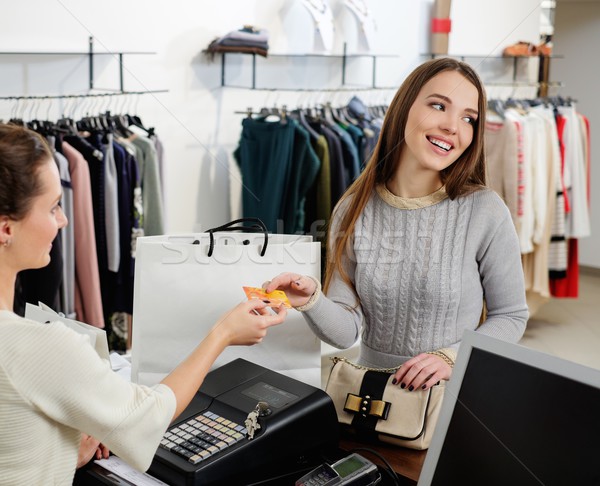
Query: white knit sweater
(53,386)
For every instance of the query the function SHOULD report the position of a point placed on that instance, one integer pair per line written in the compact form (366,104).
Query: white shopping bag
(44,313)
(180,292)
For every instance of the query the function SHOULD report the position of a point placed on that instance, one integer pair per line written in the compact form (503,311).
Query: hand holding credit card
(272,299)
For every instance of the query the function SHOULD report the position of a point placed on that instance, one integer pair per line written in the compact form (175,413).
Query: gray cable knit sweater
(421,269)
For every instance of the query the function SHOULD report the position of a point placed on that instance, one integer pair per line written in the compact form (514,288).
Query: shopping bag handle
(257,226)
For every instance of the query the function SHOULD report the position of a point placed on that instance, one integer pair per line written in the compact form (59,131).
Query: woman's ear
(6,229)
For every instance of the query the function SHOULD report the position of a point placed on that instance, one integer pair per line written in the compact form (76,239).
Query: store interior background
(196,118)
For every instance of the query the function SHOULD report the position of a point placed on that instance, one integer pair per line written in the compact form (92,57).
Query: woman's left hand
(423,371)
(89,448)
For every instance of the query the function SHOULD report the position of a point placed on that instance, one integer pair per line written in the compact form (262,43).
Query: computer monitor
(515,416)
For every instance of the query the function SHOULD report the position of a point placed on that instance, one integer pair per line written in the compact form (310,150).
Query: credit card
(272,299)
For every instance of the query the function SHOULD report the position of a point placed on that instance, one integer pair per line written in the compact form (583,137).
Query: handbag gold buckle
(367,406)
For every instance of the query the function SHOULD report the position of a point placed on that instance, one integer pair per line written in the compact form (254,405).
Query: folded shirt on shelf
(245,40)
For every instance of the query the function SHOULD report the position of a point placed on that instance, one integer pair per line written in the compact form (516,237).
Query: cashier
(60,403)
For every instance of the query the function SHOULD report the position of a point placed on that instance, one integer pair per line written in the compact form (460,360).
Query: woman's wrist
(313,298)
(447,354)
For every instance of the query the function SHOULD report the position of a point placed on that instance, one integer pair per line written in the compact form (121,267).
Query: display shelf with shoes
(523,52)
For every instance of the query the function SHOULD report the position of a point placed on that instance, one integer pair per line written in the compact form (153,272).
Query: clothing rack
(85,95)
(21,102)
(534,84)
(498,105)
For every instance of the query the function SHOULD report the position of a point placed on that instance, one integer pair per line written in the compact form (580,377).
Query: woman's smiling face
(440,123)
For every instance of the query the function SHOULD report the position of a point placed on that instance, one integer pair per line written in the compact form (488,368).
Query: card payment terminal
(352,470)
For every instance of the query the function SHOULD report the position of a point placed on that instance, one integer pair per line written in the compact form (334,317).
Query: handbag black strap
(373,385)
(256,226)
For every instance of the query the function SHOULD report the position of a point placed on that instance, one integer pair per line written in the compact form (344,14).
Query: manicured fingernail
(394,381)
(411,388)
(423,386)
(402,385)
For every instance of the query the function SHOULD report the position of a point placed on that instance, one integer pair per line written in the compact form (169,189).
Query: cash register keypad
(202,436)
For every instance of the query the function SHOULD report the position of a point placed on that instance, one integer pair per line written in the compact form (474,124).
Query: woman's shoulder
(30,349)
(488,209)
(488,199)
(344,205)
(16,330)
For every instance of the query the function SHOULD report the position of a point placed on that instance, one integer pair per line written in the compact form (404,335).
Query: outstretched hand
(298,288)
(248,322)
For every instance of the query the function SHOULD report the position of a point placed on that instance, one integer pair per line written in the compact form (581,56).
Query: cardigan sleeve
(60,374)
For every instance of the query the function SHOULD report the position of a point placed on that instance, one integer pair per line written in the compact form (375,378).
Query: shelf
(544,69)
(342,57)
(333,56)
(90,53)
(480,56)
(69,53)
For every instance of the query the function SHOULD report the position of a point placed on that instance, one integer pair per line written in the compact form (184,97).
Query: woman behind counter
(58,398)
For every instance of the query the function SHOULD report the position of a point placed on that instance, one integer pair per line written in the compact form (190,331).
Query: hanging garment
(264,156)
(318,199)
(95,159)
(552,190)
(568,287)
(303,172)
(88,298)
(160,154)
(150,183)
(349,154)
(358,138)
(271,157)
(339,180)
(67,306)
(501,155)
(111,200)
(578,220)
(558,258)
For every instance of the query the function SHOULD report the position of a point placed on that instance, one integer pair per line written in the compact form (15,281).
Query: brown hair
(462,177)
(22,153)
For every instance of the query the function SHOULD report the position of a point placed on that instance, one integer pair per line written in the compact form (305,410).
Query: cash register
(245,421)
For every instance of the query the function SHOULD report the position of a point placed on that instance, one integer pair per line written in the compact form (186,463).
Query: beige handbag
(370,407)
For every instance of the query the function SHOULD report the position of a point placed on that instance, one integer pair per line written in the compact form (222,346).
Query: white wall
(577,33)
(195,118)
